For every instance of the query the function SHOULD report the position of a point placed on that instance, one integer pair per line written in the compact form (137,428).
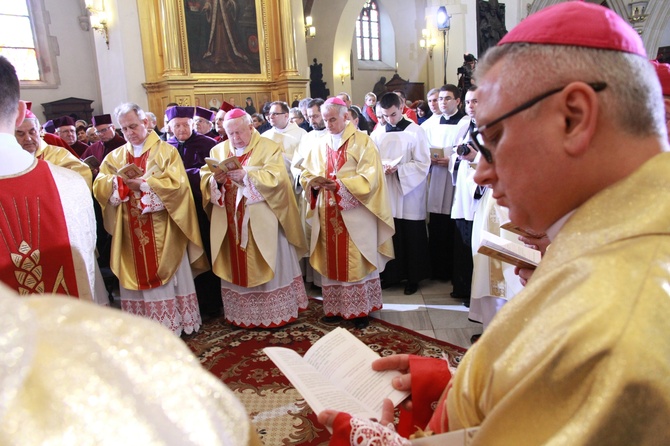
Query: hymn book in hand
(508,251)
(226,165)
(336,373)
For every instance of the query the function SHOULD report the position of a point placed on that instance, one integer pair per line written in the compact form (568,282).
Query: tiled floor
(430,311)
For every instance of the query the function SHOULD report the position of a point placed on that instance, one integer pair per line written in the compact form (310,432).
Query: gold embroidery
(26,259)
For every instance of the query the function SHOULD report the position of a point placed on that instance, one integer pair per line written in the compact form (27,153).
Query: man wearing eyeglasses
(67,131)
(109,139)
(284,132)
(580,356)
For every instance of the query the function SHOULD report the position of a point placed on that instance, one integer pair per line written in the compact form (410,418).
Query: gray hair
(631,99)
(126,108)
(35,121)
(432,92)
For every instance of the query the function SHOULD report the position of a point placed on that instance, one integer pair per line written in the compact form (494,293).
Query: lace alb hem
(351,300)
(178,314)
(264,308)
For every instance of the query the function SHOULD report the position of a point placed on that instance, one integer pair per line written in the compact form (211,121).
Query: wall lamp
(98,20)
(343,71)
(310,30)
(427,41)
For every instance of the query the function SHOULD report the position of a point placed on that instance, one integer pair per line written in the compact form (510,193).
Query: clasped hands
(402,383)
(322,183)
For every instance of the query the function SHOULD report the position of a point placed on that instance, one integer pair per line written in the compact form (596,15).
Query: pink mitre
(234,114)
(577,24)
(663,72)
(336,101)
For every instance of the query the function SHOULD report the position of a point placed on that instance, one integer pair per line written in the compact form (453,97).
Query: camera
(462,149)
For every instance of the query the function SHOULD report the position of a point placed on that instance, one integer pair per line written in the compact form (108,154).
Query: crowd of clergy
(346,199)
(236,210)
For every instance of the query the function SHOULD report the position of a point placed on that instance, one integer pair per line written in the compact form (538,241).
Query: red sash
(35,254)
(141,230)
(337,236)
(238,256)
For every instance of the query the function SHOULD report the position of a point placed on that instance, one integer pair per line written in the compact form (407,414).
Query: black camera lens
(462,150)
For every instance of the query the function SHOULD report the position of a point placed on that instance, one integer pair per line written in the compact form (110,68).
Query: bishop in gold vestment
(351,226)
(256,234)
(156,246)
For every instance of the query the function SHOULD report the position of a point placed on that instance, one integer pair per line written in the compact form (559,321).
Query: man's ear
(22,113)
(581,109)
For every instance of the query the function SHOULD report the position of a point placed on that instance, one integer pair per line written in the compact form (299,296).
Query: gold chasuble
(360,238)
(244,237)
(62,157)
(147,248)
(582,355)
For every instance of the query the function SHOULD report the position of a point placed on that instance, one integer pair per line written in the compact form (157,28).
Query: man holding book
(580,356)
(156,246)
(350,217)
(403,147)
(256,234)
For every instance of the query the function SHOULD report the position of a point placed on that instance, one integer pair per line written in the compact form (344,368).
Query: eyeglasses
(478,139)
(105,130)
(276,114)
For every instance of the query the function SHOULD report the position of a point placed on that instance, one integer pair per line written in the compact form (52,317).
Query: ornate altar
(202,52)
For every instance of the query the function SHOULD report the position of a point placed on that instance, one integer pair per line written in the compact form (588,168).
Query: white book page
(336,373)
(319,393)
(347,363)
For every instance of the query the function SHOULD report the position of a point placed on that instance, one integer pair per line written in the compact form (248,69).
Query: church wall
(75,56)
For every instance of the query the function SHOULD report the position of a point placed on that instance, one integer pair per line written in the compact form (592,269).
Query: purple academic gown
(193,152)
(100,149)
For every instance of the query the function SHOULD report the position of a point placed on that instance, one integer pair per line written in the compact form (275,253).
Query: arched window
(368,36)
(24,42)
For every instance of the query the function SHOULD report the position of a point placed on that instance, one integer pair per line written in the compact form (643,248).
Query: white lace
(369,433)
(150,201)
(115,198)
(347,200)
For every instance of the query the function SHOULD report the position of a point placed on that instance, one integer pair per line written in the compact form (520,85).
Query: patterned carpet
(280,414)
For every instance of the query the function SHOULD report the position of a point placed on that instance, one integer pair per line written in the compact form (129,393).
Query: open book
(336,373)
(130,171)
(391,163)
(92,162)
(231,163)
(508,251)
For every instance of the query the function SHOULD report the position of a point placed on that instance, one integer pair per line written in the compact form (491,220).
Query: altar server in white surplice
(403,148)
(452,126)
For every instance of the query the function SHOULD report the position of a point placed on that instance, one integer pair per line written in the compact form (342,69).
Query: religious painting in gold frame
(226,37)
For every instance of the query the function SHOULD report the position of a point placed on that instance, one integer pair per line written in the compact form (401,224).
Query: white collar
(555,228)
(14,158)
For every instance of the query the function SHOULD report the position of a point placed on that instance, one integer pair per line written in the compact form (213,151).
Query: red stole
(141,230)
(337,236)
(35,255)
(238,255)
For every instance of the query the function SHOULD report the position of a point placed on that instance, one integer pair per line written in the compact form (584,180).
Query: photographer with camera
(466,198)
